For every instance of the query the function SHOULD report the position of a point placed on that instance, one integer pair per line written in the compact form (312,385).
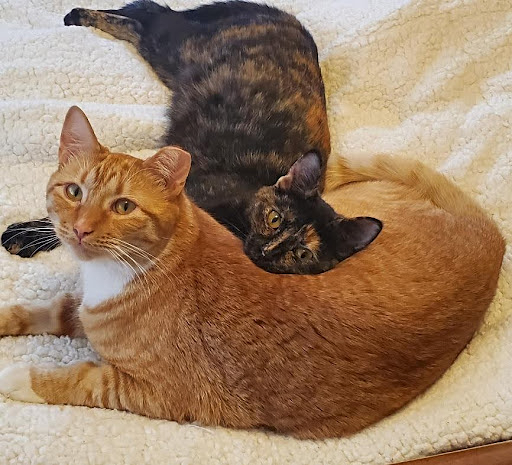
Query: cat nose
(82,231)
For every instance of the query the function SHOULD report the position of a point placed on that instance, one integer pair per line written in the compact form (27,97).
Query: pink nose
(82,231)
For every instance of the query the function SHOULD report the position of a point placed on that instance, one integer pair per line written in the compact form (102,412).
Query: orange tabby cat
(189,329)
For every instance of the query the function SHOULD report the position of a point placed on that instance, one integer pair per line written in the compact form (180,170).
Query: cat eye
(303,254)
(124,206)
(274,219)
(74,192)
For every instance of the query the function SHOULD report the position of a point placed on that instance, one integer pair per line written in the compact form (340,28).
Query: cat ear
(77,136)
(303,177)
(354,234)
(172,165)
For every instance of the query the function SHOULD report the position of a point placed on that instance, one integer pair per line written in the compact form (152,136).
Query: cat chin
(82,252)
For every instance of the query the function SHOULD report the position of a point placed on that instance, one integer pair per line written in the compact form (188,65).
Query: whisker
(141,274)
(117,258)
(42,242)
(46,245)
(30,230)
(243,235)
(147,256)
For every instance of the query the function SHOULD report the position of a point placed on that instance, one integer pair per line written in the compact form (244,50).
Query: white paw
(15,383)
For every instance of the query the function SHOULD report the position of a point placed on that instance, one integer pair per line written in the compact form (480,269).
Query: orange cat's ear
(77,136)
(171,165)
(303,177)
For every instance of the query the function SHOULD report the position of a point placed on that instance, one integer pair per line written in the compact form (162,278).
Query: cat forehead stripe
(274,243)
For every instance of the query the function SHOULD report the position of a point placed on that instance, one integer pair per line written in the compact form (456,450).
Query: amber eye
(74,192)
(124,206)
(303,254)
(274,219)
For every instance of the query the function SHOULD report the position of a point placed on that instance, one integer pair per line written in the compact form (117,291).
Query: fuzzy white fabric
(430,79)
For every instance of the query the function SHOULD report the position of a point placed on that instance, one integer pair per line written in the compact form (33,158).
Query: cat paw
(74,17)
(27,239)
(10,240)
(15,383)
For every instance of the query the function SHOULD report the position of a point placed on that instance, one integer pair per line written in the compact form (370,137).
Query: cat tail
(427,183)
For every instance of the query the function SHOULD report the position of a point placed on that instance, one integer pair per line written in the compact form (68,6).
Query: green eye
(274,219)
(74,192)
(124,206)
(303,254)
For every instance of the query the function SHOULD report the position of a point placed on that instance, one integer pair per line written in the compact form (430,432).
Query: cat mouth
(82,249)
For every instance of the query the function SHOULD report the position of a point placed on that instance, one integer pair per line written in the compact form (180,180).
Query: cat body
(202,334)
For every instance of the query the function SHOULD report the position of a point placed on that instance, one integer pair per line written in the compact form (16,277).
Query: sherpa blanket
(430,79)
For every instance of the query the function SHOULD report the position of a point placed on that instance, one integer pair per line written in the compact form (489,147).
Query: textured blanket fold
(430,79)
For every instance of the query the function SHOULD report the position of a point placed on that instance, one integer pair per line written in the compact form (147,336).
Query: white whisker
(42,242)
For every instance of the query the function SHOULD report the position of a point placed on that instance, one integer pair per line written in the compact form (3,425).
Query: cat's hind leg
(27,239)
(119,26)
(155,31)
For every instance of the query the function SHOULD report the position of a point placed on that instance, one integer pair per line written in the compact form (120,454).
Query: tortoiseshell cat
(189,329)
(248,101)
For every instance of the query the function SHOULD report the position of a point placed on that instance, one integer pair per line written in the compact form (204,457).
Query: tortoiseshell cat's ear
(77,136)
(303,177)
(354,234)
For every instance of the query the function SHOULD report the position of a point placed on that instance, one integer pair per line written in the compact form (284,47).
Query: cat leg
(155,31)
(27,239)
(89,384)
(58,316)
(150,27)
(118,26)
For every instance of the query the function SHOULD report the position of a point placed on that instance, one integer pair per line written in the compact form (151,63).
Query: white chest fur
(103,279)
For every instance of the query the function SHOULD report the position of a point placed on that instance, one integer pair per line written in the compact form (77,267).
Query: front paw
(74,17)
(14,320)
(27,239)
(15,383)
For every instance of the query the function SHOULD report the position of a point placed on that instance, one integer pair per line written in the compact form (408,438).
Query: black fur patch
(27,239)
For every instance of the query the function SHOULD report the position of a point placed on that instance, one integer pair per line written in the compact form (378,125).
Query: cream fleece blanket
(430,79)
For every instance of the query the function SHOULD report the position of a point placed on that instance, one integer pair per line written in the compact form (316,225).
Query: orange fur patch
(312,239)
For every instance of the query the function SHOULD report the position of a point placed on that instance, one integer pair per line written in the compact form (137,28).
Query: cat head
(109,204)
(293,230)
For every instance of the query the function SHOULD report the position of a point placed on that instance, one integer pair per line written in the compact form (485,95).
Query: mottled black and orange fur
(248,97)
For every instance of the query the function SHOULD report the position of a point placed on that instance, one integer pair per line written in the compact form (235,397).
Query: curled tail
(427,183)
